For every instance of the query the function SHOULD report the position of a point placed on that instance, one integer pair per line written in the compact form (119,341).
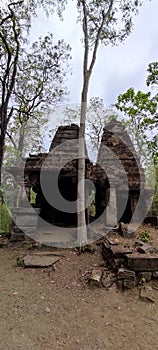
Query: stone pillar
(111,209)
(24,192)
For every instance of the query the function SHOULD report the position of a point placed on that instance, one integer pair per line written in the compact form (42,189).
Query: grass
(5,219)
(145,236)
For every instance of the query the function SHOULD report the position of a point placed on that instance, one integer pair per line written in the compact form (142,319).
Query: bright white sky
(117,68)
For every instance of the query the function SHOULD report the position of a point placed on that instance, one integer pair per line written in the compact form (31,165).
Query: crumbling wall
(106,174)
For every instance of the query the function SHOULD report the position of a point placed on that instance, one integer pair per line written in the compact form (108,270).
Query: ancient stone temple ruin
(117,177)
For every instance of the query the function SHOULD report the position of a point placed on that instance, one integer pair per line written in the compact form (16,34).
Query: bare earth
(47,309)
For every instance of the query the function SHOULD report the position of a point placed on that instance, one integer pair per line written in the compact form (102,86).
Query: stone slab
(40,260)
(47,253)
(145,248)
(142,262)
(119,251)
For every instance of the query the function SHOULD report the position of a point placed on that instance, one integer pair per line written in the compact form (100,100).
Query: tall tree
(140,118)
(107,22)
(40,84)
(140,110)
(31,78)
(10,35)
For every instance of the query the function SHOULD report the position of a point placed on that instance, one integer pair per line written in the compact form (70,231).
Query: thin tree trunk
(82,229)
(2,143)
(20,147)
(81,218)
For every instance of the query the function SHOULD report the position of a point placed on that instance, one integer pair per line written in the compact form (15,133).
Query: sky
(117,68)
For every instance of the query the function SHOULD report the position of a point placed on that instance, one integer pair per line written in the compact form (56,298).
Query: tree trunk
(20,147)
(81,218)
(2,143)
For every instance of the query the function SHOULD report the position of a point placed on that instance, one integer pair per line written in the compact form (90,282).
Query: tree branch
(15,61)
(86,43)
(7,68)
(105,16)
(12,141)
(10,114)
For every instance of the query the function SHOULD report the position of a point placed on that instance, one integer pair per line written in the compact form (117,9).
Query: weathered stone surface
(108,279)
(125,231)
(141,262)
(115,254)
(116,263)
(147,275)
(118,251)
(145,248)
(95,278)
(42,259)
(111,209)
(129,284)
(26,217)
(117,140)
(126,278)
(122,178)
(126,274)
(112,249)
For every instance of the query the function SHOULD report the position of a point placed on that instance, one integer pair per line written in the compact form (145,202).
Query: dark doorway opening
(124,210)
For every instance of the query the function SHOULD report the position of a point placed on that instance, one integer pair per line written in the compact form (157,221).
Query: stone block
(118,251)
(141,262)
(116,263)
(43,259)
(95,278)
(108,279)
(25,217)
(126,274)
(129,284)
(145,248)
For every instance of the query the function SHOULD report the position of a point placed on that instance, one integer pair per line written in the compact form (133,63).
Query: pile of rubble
(126,262)
(131,265)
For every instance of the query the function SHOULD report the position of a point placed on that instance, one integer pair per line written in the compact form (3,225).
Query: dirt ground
(47,309)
